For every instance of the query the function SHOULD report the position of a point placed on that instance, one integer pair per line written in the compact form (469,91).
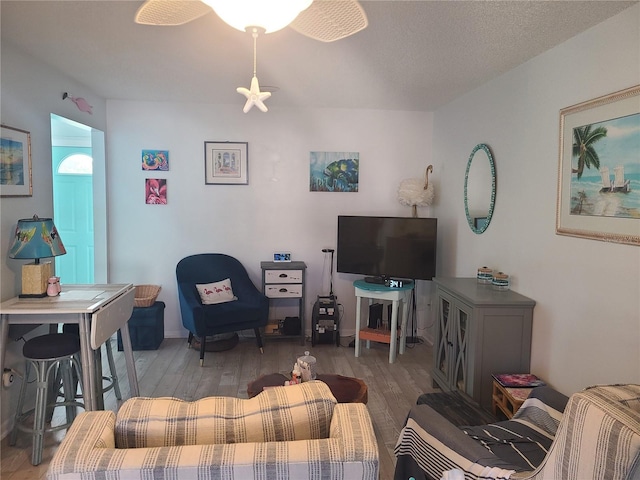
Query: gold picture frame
(15,162)
(599,169)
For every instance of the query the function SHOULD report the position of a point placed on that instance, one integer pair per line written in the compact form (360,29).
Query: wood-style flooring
(174,370)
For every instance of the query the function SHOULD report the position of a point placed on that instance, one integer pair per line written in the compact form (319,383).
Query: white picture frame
(226,163)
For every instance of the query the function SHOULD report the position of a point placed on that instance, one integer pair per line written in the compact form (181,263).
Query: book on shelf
(520,394)
(518,380)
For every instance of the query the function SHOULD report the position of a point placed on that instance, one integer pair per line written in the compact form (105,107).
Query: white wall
(275,211)
(586,326)
(249,222)
(32,91)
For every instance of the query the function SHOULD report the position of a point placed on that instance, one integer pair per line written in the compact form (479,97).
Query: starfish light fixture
(253,94)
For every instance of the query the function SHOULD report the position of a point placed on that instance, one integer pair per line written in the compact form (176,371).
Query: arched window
(76,164)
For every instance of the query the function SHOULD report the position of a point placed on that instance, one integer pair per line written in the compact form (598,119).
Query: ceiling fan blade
(170,12)
(331,20)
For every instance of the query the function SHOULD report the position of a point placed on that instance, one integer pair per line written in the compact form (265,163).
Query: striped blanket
(524,440)
(429,445)
(597,437)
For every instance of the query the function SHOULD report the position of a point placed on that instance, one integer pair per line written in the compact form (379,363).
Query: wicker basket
(146,295)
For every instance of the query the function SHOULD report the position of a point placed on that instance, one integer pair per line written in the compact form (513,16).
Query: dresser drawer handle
(283,290)
(283,275)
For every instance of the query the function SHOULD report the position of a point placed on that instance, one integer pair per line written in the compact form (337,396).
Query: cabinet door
(461,349)
(443,347)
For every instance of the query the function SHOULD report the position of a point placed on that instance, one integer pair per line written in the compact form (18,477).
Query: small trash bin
(146,327)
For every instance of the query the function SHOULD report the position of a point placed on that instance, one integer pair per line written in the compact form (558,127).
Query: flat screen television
(383,247)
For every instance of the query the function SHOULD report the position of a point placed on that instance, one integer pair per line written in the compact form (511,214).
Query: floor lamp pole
(330,250)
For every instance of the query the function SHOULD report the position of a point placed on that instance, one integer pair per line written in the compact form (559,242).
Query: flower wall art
(155,191)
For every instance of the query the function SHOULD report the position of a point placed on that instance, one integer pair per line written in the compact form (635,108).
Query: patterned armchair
(289,433)
(597,437)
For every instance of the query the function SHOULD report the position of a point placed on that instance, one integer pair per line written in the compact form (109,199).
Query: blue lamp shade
(36,238)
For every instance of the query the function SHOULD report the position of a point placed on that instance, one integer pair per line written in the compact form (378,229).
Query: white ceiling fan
(323,20)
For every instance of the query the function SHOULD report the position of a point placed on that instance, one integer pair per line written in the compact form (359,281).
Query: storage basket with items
(146,295)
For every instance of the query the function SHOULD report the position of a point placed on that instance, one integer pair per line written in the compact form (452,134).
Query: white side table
(381,292)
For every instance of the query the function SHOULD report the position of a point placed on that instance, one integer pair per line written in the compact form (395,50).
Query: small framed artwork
(599,170)
(226,163)
(282,257)
(155,160)
(15,163)
(155,191)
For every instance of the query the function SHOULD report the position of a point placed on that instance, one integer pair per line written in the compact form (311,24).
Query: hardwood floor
(173,370)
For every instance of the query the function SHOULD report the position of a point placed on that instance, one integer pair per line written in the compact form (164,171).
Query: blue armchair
(250,310)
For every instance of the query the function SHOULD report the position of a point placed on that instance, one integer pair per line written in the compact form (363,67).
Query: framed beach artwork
(334,171)
(15,163)
(226,163)
(599,171)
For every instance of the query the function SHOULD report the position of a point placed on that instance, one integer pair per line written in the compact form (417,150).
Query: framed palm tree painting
(599,171)
(15,162)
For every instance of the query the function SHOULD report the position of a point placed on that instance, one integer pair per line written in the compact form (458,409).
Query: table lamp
(36,238)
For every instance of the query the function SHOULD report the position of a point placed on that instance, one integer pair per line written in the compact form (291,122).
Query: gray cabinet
(479,331)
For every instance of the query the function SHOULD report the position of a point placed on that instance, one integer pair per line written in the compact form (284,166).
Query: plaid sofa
(596,437)
(295,432)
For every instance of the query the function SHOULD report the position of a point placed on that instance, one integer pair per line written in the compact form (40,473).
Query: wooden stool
(45,353)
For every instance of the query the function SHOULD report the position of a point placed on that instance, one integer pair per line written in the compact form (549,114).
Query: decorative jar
(485,275)
(307,364)
(52,287)
(500,281)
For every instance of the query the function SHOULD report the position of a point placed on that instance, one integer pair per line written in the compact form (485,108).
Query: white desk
(380,292)
(99,310)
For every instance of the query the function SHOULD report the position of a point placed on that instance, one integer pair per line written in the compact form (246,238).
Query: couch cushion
(600,437)
(525,440)
(299,412)
(627,394)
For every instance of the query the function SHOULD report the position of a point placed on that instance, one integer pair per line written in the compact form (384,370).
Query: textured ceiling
(415,55)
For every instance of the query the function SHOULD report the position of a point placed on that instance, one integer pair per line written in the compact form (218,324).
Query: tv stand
(377,280)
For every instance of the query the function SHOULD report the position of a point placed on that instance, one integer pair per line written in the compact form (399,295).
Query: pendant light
(268,16)
(253,94)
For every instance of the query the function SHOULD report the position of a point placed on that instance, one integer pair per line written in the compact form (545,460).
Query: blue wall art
(334,171)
